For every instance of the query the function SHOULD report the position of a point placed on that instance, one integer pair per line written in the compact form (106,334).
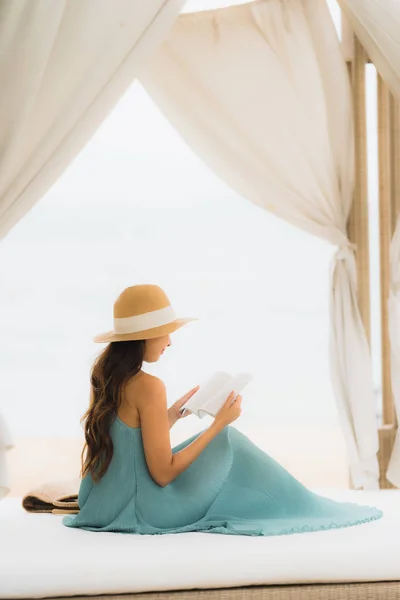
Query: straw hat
(142,312)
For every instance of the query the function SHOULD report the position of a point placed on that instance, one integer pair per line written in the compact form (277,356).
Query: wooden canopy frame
(358,224)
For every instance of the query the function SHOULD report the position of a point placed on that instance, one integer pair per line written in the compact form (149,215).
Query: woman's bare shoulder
(136,394)
(146,380)
(143,385)
(136,391)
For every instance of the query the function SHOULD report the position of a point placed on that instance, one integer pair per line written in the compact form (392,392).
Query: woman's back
(131,396)
(128,500)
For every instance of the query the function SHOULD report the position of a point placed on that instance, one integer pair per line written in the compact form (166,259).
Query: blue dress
(233,487)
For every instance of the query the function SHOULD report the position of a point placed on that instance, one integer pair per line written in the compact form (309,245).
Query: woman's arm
(172,416)
(182,459)
(163,465)
(173,412)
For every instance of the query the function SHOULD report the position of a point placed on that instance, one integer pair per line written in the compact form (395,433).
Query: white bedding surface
(40,557)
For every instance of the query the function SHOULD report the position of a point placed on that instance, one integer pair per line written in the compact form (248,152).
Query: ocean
(138,206)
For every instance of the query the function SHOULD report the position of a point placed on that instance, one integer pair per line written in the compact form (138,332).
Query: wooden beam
(357,226)
(394,110)
(389,205)
(389,209)
(385,234)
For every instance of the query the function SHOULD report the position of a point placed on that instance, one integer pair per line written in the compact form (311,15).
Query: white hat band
(155,318)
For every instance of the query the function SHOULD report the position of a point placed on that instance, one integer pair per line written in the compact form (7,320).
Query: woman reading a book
(216,481)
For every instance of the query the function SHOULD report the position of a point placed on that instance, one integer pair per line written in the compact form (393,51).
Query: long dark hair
(111,370)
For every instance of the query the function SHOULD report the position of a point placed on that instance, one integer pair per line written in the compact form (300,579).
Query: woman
(216,481)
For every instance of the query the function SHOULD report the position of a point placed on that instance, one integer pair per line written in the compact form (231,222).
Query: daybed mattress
(40,557)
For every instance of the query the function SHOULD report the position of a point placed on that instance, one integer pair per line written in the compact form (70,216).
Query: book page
(206,391)
(236,383)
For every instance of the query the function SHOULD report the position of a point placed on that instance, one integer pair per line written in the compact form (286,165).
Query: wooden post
(357,225)
(385,234)
(387,210)
(394,110)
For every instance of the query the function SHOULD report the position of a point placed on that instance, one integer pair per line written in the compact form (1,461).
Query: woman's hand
(230,410)
(177,405)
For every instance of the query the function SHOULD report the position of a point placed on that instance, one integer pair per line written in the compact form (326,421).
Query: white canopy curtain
(6,443)
(260,92)
(63,67)
(393,471)
(377,26)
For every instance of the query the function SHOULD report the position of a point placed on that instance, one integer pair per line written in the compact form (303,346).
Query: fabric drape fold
(393,471)
(63,67)
(6,443)
(377,25)
(260,92)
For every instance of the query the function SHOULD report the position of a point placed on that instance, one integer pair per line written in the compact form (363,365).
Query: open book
(212,394)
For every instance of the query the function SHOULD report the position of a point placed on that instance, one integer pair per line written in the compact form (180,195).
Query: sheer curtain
(6,443)
(260,92)
(377,25)
(393,471)
(63,67)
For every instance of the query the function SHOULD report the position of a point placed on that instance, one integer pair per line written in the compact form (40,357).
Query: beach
(315,455)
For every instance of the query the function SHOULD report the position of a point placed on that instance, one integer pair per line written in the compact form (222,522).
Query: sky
(138,206)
